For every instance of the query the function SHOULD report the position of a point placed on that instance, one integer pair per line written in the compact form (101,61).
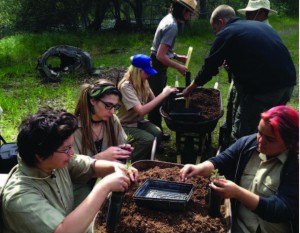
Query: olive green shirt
(262,177)
(36,202)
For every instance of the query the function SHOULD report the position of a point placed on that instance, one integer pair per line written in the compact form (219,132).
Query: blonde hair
(84,111)
(141,87)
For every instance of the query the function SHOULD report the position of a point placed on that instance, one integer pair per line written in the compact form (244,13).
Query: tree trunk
(202,10)
(100,10)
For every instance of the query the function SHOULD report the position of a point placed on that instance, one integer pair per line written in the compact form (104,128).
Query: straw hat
(254,5)
(189,4)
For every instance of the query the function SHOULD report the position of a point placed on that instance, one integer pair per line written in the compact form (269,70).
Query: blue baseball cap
(144,62)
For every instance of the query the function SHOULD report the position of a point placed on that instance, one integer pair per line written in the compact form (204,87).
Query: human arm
(187,91)
(215,59)
(80,218)
(116,179)
(180,58)
(228,189)
(164,59)
(114,153)
(283,204)
(122,150)
(191,170)
(104,167)
(284,201)
(145,109)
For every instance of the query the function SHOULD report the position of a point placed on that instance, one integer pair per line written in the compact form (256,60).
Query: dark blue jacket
(255,54)
(282,207)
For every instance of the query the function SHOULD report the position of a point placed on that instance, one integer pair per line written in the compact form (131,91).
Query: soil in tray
(207,101)
(194,218)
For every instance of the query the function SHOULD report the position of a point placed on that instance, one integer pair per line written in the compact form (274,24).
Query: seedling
(214,200)
(129,139)
(128,164)
(215,175)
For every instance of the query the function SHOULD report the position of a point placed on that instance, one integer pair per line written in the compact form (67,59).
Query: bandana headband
(101,90)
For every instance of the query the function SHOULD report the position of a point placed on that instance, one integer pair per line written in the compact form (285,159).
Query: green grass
(22,92)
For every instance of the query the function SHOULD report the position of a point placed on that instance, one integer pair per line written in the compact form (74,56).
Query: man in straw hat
(258,10)
(263,70)
(162,51)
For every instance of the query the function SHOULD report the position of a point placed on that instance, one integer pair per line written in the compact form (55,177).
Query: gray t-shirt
(166,33)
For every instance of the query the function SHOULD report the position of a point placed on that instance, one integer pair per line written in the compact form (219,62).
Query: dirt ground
(194,218)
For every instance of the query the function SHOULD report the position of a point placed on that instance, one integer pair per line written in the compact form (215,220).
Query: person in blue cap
(137,101)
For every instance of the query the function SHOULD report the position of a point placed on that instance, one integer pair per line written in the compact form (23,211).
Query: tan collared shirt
(262,177)
(126,113)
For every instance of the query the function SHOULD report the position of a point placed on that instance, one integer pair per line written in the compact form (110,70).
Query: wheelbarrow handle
(216,86)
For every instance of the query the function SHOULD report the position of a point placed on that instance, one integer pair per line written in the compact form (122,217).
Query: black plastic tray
(163,195)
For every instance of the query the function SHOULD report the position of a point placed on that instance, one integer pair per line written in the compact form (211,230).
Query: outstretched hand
(188,171)
(187,91)
(129,171)
(168,90)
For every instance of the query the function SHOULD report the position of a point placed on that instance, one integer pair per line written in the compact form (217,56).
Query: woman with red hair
(262,174)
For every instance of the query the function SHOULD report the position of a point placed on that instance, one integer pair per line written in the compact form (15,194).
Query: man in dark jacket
(263,70)
(262,175)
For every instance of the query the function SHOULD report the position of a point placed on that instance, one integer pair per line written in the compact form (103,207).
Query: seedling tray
(163,195)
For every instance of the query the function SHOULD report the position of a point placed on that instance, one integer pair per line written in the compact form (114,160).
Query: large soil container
(201,115)
(194,218)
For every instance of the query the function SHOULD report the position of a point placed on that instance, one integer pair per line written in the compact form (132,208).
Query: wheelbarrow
(193,125)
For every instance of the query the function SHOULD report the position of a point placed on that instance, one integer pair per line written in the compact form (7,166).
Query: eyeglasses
(110,106)
(65,151)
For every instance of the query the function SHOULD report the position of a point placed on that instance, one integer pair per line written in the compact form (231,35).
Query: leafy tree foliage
(32,15)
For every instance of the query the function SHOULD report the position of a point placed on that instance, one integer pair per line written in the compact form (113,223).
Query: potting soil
(194,218)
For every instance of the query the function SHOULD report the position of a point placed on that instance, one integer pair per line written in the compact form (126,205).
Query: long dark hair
(84,111)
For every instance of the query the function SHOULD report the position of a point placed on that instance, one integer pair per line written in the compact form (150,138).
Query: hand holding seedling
(224,188)
(128,170)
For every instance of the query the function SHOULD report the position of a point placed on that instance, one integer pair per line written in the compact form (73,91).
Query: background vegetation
(62,15)
(22,91)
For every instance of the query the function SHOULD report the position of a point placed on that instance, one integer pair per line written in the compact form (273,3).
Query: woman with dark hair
(38,196)
(100,134)
(262,174)
(162,51)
